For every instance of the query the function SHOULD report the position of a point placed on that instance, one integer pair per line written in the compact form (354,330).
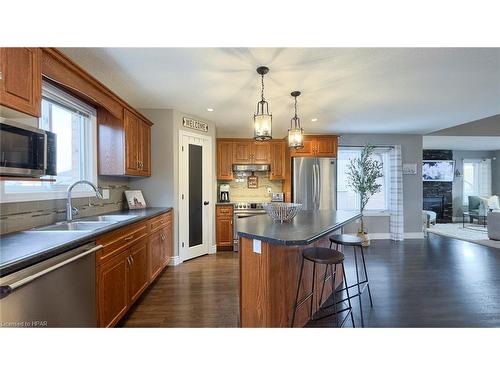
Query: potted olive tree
(362,175)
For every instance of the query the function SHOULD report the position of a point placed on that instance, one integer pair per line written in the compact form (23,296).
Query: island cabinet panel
(224,226)
(224,160)
(278,152)
(21,79)
(268,284)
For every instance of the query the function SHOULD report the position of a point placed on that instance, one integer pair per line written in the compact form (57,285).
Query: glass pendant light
(262,120)
(295,133)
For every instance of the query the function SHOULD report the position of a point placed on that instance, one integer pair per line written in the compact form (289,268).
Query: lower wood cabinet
(224,226)
(125,269)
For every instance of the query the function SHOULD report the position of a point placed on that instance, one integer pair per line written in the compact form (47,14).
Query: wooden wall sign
(252,182)
(194,124)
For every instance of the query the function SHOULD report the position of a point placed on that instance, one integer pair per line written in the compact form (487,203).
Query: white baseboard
(175,261)
(212,249)
(414,235)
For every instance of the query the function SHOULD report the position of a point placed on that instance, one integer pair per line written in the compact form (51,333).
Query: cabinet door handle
(129,238)
(163,237)
(132,261)
(128,261)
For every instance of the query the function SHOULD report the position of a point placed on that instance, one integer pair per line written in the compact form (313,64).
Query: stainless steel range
(242,211)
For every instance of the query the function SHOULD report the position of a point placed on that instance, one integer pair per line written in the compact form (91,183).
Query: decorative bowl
(282,211)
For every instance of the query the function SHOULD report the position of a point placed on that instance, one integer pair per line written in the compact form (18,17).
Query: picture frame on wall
(135,199)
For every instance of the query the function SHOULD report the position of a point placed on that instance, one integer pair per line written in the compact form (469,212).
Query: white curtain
(396,223)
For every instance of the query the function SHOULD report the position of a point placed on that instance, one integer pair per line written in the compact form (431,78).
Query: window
(74,123)
(347,199)
(477,178)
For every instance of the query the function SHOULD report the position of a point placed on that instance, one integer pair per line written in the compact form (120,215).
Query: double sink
(85,225)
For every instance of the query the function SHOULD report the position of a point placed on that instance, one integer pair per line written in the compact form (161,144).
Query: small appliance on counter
(277,197)
(224,193)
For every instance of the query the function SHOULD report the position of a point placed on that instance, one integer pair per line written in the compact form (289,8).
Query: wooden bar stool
(355,242)
(322,255)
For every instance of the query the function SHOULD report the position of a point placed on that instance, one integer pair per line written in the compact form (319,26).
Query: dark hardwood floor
(433,282)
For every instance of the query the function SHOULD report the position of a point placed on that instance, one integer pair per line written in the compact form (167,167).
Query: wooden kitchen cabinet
(124,145)
(224,160)
(138,270)
(224,226)
(160,244)
(251,152)
(278,155)
(131,258)
(317,146)
(21,79)
(112,290)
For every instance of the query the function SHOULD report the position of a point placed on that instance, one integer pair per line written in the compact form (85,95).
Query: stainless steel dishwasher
(58,292)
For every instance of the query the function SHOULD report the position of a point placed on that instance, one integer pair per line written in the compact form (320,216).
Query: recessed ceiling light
(210,109)
(314,119)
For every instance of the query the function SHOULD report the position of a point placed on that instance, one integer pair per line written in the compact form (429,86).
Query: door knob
(206,203)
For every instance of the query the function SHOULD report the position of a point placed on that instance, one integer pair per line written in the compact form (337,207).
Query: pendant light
(295,133)
(262,120)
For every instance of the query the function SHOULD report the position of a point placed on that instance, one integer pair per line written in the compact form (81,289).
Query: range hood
(251,167)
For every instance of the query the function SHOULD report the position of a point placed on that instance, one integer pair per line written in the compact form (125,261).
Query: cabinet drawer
(224,211)
(118,240)
(159,221)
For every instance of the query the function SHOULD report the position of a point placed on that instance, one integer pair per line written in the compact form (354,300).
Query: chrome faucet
(69,208)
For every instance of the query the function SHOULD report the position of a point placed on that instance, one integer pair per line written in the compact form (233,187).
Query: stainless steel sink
(111,218)
(80,226)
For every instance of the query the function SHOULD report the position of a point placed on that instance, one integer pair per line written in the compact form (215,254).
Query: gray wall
(458,182)
(411,150)
(161,189)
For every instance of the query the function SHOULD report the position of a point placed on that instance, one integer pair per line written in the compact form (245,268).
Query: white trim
(387,236)
(212,249)
(182,204)
(175,261)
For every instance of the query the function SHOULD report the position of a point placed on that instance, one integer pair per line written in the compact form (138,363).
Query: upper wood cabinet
(247,151)
(317,145)
(278,152)
(21,79)
(124,145)
(224,160)
(251,152)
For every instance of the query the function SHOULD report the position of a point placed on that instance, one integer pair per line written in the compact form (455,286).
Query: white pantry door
(195,194)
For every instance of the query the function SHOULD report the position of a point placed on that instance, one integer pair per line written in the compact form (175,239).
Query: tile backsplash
(18,216)
(239,192)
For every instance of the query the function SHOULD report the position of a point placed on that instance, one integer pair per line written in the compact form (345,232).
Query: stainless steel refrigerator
(315,183)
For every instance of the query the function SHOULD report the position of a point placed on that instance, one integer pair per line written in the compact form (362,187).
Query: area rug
(471,233)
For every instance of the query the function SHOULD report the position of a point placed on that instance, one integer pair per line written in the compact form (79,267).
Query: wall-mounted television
(438,170)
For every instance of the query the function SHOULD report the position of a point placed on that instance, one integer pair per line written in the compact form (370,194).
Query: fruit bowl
(282,211)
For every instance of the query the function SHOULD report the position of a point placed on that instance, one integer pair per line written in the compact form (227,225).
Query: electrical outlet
(105,193)
(269,190)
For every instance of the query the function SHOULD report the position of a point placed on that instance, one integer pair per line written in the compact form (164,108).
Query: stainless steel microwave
(26,151)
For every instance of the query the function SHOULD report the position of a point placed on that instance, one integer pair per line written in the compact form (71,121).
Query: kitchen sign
(194,124)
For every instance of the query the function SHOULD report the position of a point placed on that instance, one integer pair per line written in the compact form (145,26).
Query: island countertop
(303,229)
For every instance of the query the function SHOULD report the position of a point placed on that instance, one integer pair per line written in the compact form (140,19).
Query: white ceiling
(353,90)
(461,143)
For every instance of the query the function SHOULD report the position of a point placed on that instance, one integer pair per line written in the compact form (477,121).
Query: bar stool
(355,242)
(322,255)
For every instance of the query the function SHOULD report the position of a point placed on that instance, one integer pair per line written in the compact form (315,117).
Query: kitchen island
(270,258)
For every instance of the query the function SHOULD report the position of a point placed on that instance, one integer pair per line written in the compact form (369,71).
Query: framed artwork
(135,199)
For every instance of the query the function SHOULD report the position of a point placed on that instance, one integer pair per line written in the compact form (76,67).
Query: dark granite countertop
(304,229)
(20,250)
